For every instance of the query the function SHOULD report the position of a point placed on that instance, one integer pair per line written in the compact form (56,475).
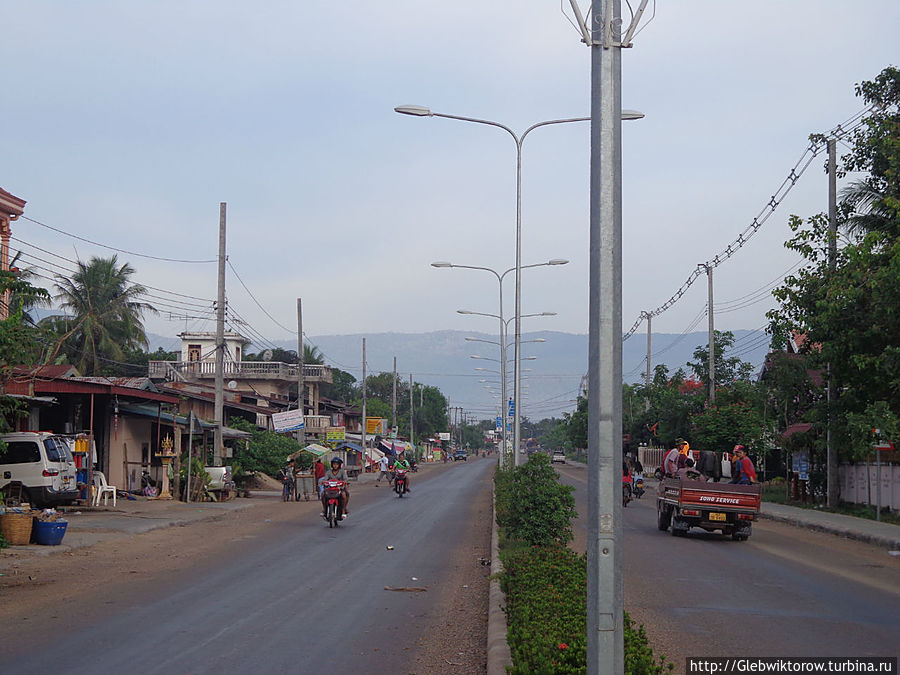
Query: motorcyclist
(337,472)
(402,463)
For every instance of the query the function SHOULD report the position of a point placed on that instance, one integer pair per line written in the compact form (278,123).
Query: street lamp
(424,111)
(504,325)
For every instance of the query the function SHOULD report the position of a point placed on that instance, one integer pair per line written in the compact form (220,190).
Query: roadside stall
(304,481)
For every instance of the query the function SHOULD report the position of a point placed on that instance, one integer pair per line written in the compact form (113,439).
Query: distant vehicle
(558,456)
(461,454)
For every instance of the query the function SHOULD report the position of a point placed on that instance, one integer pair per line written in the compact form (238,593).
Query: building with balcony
(266,384)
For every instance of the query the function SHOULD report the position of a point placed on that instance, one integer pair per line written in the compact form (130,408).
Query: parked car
(43,464)
(461,454)
(558,456)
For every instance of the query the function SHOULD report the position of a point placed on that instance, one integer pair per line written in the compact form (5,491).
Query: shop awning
(347,445)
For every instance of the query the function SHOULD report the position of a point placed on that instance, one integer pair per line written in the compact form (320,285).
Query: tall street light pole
(422,111)
(503,330)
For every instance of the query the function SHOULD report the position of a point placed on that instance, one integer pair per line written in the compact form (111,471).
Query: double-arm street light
(423,111)
(503,324)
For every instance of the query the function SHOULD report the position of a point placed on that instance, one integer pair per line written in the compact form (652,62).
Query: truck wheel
(677,530)
(663,519)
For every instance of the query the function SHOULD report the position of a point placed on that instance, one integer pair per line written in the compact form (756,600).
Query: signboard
(444,435)
(499,424)
(335,434)
(800,464)
(290,420)
(375,425)
(512,408)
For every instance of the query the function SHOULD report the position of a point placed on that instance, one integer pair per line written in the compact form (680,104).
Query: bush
(545,582)
(535,508)
(546,603)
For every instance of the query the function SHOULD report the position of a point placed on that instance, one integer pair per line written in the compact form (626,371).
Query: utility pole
(712,337)
(364,402)
(605,630)
(411,401)
(394,399)
(219,410)
(301,402)
(649,338)
(833,488)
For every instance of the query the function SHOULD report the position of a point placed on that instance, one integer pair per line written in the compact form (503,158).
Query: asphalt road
(298,597)
(784,592)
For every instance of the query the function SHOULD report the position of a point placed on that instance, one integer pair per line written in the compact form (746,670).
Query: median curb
(498,654)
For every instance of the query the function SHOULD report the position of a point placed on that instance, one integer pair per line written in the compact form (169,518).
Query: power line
(815,146)
(113,248)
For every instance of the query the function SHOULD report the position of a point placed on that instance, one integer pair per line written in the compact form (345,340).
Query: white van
(43,463)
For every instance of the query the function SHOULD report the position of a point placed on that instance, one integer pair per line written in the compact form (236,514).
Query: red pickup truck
(683,504)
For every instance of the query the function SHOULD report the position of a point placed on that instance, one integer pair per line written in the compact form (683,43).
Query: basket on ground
(16,528)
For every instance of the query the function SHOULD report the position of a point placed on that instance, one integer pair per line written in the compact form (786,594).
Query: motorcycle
(400,482)
(638,487)
(334,501)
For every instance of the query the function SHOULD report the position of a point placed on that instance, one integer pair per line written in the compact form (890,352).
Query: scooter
(334,501)
(400,483)
(638,489)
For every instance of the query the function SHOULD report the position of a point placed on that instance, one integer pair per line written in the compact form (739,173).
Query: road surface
(784,592)
(294,596)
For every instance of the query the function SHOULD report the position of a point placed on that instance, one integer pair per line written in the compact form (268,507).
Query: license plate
(717,516)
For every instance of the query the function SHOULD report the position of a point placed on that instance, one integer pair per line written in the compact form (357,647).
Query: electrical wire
(113,248)
(816,144)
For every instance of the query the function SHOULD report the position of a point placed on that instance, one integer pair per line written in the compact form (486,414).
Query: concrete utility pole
(605,631)
(301,433)
(712,337)
(364,402)
(833,488)
(394,399)
(219,411)
(411,401)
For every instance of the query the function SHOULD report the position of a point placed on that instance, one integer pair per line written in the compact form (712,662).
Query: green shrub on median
(546,583)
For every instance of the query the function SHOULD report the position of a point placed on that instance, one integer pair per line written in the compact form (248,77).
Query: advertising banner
(290,420)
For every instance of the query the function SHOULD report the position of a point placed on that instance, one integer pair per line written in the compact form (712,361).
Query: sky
(125,124)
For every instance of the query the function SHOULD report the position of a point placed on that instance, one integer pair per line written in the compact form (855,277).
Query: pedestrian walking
(383,470)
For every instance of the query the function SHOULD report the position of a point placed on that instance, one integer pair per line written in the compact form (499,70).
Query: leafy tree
(19,340)
(728,370)
(847,313)
(104,313)
(267,451)
(342,386)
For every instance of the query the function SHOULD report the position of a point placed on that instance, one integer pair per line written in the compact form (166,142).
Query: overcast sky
(126,123)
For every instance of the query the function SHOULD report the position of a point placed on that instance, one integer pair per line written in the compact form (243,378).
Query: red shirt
(319,470)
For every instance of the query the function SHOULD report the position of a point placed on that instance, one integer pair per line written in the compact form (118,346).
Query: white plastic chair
(103,489)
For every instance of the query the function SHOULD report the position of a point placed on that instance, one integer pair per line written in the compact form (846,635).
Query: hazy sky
(126,123)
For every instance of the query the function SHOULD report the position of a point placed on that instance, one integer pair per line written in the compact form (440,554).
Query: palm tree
(312,355)
(104,313)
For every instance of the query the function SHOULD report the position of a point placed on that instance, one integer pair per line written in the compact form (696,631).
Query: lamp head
(464,311)
(416,110)
(558,261)
(441,263)
(626,114)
